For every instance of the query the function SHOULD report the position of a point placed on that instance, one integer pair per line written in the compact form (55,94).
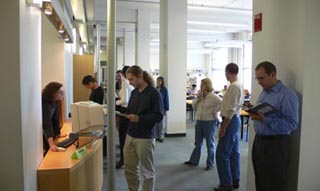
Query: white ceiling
(207,19)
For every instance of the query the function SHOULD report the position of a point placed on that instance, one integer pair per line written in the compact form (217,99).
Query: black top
(50,121)
(149,107)
(97,95)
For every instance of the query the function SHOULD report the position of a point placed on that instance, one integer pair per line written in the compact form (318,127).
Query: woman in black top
(52,94)
(97,93)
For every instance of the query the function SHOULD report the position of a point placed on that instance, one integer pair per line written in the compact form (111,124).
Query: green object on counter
(79,153)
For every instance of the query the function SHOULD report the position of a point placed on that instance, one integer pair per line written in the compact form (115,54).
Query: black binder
(264,108)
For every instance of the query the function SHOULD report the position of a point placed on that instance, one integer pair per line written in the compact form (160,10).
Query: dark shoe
(223,188)
(209,168)
(161,140)
(236,184)
(190,163)
(119,164)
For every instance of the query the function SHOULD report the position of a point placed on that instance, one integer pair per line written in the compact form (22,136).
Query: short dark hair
(87,79)
(267,66)
(124,70)
(119,71)
(232,68)
(194,85)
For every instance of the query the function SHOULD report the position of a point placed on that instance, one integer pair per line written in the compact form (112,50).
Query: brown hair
(50,89)
(232,68)
(136,71)
(268,67)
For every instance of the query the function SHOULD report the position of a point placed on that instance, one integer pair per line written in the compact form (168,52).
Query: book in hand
(263,108)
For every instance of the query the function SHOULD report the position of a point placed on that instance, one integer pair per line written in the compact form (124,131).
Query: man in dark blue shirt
(270,152)
(145,108)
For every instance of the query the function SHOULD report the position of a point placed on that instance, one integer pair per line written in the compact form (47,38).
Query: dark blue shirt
(148,106)
(285,119)
(165,98)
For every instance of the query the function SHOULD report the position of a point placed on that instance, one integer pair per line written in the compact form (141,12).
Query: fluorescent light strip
(205,31)
(216,24)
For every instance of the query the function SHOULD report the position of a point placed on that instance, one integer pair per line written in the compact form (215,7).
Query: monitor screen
(86,114)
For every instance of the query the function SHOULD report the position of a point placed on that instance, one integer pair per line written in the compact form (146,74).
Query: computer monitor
(86,114)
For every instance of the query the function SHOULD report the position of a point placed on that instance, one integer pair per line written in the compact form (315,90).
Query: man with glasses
(270,152)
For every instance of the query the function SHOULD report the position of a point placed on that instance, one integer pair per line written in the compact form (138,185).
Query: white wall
(196,61)
(21,135)
(309,168)
(281,41)
(53,64)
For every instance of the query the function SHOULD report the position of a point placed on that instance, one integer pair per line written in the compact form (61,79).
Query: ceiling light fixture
(216,24)
(61,28)
(205,31)
(66,38)
(47,8)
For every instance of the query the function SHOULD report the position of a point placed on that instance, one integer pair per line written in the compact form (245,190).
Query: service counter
(58,171)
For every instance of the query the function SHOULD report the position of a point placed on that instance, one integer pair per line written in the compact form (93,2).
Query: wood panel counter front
(59,172)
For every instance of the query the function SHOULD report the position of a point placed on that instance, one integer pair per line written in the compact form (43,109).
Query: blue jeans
(204,129)
(228,153)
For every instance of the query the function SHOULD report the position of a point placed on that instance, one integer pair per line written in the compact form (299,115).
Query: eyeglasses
(261,78)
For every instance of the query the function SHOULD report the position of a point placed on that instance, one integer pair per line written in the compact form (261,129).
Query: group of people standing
(208,105)
(146,107)
(270,152)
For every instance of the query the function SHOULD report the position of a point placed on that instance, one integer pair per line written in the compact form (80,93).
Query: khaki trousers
(138,161)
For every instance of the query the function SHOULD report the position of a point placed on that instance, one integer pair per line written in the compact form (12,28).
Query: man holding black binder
(270,152)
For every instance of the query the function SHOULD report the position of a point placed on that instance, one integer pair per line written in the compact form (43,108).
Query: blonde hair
(208,83)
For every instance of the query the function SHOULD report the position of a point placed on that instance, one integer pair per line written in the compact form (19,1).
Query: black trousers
(123,127)
(270,156)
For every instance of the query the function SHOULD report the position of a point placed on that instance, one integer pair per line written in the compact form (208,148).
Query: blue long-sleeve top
(285,119)
(165,98)
(148,105)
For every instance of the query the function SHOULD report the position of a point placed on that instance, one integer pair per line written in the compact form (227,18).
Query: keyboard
(67,142)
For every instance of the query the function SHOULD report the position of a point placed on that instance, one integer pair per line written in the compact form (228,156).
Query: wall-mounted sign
(258,22)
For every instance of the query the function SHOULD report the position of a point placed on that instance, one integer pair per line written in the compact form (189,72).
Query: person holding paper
(122,103)
(144,110)
(228,151)
(270,152)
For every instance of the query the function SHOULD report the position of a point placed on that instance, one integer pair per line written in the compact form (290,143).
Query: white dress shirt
(124,93)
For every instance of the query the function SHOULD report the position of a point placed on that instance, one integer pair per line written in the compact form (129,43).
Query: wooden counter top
(58,171)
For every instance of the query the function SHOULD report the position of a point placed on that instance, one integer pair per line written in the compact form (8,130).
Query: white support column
(129,48)
(143,39)
(173,60)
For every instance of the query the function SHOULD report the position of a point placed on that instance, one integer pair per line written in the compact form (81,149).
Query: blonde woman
(207,105)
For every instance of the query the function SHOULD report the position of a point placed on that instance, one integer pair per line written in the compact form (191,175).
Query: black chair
(190,110)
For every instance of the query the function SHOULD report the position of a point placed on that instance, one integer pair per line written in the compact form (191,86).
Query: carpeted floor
(173,175)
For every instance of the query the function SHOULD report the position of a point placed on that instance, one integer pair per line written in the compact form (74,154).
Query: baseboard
(176,135)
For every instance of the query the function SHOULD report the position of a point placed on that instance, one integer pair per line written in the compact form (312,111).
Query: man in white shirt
(122,103)
(228,153)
